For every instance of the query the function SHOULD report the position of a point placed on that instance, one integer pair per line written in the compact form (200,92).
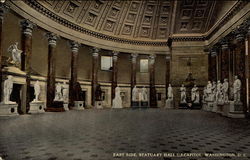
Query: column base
(78,105)
(8,109)
(36,107)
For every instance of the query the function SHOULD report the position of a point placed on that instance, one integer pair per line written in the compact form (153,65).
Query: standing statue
(15,53)
(219,94)
(195,96)
(58,96)
(37,89)
(205,94)
(170,92)
(144,94)
(134,94)
(117,101)
(209,90)
(65,92)
(237,89)
(183,94)
(225,90)
(8,87)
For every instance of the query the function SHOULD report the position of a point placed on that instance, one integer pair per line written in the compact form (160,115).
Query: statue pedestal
(36,107)
(66,106)
(135,104)
(98,105)
(183,106)
(57,106)
(169,104)
(210,106)
(144,104)
(236,110)
(117,103)
(204,106)
(8,109)
(78,105)
(225,109)
(215,107)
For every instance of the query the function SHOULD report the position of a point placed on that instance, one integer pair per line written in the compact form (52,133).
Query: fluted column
(133,71)
(114,74)
(26,41)
(168,59)
(2,12)
(73,72)
(213,65)
(248,67)
(95,60)
(52,38)
(225,59)
(240,59)
(153,102)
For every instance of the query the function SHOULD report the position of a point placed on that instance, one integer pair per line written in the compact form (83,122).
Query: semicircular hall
(124,79)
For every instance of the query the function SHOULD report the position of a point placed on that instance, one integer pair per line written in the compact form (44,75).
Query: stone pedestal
(205,106)
(117,103)
(98,105)
(214,109)
(57,106)
(210,106)
(78,105)
(225,109)
(220,108)
(183,106)
(8,109)
(236,110)
(144,104)
(169,104)
(135,104)
(36,107)
(66,106)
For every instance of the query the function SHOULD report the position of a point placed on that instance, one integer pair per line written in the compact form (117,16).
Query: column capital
(168,57)
(213,52)
(134,56)
(74,46)
(224,42)
(152,58)
(115,55)
(52,38)
(3,9)
(96,51)
(239,33)
(27,27)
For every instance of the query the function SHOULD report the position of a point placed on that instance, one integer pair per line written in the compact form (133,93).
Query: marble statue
(15,53)
(236,89)
(219,93)
(195,96)
(170,92)
(117,101)
(8,87)
(37,89)
(183,94)
(65,92)
(205,94)
(134,94)
(144,94)
(214,90)
(225,86)
(58,95)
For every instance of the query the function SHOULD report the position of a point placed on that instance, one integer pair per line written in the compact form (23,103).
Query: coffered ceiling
(136,20)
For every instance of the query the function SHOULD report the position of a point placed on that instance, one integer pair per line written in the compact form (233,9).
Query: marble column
(248,66)
(114,75)
(52,38)
(26,43)
(133,71)
(73,73)
(213,65)
(95,66)
(152,91)
(240,59)
(2,12)
(168,59)
(225,59)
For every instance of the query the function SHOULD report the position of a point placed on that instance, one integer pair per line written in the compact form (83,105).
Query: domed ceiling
(147,20)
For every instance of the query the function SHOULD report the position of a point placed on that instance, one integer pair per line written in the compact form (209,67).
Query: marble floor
(112,134)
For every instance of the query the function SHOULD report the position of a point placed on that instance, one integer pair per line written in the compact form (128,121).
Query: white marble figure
(214,90)
(15,53)
(209,91)
(8,87)
(225,86)
(135,94)
(219,93)
(117,101)
(237,89)
(195,96)
(183,94)
(144,94)
(205,94)
(37,89)
(65,92)
(170,92)
(58,94)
